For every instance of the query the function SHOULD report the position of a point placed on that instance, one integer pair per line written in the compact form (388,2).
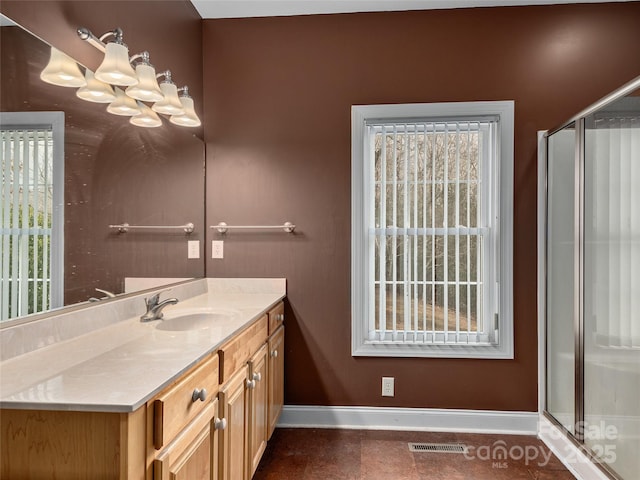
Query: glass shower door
(612,285)
(561,292)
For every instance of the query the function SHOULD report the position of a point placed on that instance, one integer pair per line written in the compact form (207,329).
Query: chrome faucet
(155,306)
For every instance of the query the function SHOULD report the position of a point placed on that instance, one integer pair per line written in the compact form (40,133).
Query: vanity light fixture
(116,68)
(95,90)
(62,70)
(119,70)
(147,118)
(123,105)
(189,117)
(170,104)
(147,88)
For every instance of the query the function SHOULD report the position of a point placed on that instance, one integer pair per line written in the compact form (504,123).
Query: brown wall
(277,129)
(115,172)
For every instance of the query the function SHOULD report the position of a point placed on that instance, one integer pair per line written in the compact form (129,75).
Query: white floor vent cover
(438,447)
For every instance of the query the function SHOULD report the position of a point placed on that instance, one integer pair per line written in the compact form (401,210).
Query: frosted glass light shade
(147,118)
(95,90)
(147,88)
(189,118)
(123,105)
(170,104)
(115,68)
(62,70)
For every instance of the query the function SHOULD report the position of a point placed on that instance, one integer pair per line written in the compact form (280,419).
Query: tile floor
(319,454)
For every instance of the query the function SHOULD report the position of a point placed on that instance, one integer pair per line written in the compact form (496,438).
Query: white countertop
(119,367)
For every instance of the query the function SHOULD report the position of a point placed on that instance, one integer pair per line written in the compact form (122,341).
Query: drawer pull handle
(199,395)
(251,384)
(257,376)
(280,317)
(220,423)
(274,353)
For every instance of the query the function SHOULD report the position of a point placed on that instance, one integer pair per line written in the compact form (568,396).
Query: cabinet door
(191,455)
(233,439)
(276,378)
(258,394)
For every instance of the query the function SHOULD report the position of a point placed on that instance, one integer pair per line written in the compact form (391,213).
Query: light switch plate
(217,248)
(193,249)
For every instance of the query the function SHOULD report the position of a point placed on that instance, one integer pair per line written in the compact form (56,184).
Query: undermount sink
(197,319)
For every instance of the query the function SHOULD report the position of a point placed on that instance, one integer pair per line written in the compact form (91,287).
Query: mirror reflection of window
(31,213)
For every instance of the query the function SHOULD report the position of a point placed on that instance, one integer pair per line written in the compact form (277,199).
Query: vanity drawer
(235,353)
(276,317)
(174,408)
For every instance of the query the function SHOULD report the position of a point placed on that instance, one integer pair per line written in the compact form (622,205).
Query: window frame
(502,205)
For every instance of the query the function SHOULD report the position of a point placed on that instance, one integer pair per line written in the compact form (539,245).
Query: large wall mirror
(114,172)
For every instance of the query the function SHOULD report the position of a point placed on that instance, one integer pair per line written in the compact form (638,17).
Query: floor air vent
(438,447)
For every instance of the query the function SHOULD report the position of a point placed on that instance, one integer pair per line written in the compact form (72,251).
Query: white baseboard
(569,454)
(413,419)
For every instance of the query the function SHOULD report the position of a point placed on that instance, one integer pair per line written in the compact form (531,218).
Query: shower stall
(589,285)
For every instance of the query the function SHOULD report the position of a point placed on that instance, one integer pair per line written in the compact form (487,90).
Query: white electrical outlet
(217,248)
(387,386)
(193,249)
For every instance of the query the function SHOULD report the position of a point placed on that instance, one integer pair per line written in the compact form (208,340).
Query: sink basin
(193,319)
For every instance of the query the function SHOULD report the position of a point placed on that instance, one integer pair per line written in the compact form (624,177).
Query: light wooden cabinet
(275,378)
(257,417)
(182,431)
(178,404)
(276,317)
(193,455)
(245,396)
(211,423)
(46,444)
(232,449)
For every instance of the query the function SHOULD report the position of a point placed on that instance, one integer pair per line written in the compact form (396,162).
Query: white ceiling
(274,8)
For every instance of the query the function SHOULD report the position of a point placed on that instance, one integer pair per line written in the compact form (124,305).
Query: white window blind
(431,220)
(426,204)
(27,217)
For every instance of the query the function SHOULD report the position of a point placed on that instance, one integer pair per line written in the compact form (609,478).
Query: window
(432,196)
(31,209)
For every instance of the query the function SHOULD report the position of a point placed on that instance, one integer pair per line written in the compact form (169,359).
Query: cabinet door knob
(274,353)
(220,423)
(257,376)
(251,384)
(199,395)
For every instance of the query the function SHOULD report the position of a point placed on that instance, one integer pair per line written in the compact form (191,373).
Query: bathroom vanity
(167,399)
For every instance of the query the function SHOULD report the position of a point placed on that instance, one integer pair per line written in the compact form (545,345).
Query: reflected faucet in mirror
(107,294)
